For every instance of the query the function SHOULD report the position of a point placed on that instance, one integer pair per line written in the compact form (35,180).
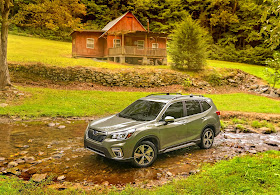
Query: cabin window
(90,43)
(140,44)
(154,45)
(117,43)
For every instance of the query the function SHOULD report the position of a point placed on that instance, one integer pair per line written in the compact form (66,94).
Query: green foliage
(273,73)
(223,125)
(187,83)
(271,27)
(188,45)
(213,77)
(256,124)
(238,121)
(240,127)
(52,19)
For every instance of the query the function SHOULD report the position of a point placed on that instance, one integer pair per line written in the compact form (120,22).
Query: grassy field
(258,174)
(51,102)
(32,50)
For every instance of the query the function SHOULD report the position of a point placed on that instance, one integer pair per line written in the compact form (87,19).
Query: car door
(173,133)
(195,120)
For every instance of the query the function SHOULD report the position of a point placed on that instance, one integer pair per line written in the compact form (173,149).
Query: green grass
(258,174)
(249,68)
(33,50)
(245,103)
(65,103)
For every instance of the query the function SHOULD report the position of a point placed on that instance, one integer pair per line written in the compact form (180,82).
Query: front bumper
(104,148)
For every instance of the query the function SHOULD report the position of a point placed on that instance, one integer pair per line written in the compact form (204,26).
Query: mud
(38,148)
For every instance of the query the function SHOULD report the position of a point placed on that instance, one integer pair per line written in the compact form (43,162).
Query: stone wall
(121,77)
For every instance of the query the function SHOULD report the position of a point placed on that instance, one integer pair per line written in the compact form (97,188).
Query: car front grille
(95,135)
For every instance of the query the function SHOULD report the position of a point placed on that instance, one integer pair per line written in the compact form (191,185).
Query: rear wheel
(144,154)
(207,138)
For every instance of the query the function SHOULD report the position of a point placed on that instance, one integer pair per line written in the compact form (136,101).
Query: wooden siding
(127,23)
(79,44)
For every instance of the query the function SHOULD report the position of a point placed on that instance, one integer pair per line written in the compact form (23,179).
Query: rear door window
(175,110)
(193,107)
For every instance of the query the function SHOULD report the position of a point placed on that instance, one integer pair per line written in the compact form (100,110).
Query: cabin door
(128,41)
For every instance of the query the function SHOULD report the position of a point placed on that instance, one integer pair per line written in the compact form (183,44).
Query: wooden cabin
(123,40)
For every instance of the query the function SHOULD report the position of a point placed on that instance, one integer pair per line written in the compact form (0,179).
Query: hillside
(35,50)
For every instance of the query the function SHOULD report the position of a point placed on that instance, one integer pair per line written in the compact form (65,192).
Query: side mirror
(169,119)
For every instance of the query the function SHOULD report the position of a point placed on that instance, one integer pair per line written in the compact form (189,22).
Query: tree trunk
(4,71)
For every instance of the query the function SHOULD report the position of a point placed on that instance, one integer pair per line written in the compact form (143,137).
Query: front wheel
(144,154)
(207,138)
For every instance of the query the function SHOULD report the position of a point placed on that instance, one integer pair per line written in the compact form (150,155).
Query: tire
(207,138)
(144,154)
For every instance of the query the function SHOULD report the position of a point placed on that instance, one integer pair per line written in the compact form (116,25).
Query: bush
(188,45)
(256,124)
(214,78)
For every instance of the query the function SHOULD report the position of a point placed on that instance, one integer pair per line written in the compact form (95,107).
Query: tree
(54,19)
(5,7)
(188,45)
(273,72)
(270,18)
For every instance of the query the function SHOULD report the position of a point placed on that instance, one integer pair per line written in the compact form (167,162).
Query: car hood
(114,123)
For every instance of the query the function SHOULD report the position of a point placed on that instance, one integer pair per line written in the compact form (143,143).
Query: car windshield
(142,110)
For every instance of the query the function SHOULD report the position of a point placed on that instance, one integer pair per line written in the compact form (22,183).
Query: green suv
(155,124)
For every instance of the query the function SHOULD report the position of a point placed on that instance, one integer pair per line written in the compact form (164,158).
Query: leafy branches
(273,72)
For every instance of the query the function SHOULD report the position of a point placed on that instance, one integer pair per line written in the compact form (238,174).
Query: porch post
(164,62)
(146,44)
(122,43)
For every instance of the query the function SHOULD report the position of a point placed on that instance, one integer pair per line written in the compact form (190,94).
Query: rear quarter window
(205,106)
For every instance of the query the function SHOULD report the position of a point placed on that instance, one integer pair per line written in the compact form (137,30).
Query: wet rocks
(12,164)
(61,127)
(29,159)
(23,153)
(60,178)
(105,183)
(51,124)
(169,174)
(39,177)
(20,160)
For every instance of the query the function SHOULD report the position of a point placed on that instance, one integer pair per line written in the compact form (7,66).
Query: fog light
(117,152)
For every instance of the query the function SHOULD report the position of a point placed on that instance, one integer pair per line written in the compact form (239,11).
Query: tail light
(218,113)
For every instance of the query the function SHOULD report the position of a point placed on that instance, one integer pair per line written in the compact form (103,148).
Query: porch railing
(134,51)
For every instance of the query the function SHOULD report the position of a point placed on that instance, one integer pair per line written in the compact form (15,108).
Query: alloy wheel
(208,138)
(144,154)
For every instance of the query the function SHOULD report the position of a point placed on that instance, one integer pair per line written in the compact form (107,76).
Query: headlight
(123,134)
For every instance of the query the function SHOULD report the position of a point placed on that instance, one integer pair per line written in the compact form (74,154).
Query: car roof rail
(191,95)
(164,94)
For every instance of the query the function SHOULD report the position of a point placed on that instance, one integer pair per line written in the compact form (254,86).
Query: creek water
(60,152)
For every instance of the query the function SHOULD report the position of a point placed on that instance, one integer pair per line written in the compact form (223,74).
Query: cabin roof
(115,21)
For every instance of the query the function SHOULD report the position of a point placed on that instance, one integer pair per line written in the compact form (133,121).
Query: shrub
(238,121)
(223,125)
(256,124)
(240,127)
(214,78)
(188,45)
